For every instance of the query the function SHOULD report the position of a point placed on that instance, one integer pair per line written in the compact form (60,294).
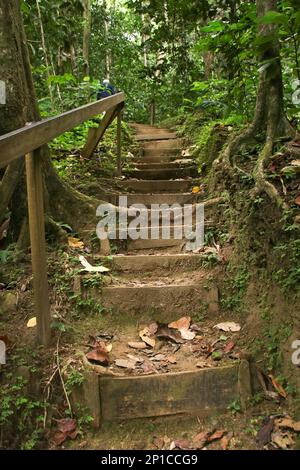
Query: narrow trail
(154,272)
(156,282)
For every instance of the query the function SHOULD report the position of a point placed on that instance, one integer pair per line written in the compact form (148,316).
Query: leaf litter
(162,348)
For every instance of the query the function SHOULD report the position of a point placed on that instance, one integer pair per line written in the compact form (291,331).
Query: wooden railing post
(34,177)
(119,143)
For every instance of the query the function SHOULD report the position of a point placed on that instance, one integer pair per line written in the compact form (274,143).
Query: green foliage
(20,416)
(274,338)
(288,275)
(235,289)
(235,407)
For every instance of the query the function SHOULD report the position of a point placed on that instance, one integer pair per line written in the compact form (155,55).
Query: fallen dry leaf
(75,243)
(263,436)
(153,327)
(32,322)
(99,354)
(229,347)
(277,386)
(158,357)
(282,440)
(225,441)
(182,323)
(228,326)
(67,427)
(92,269)
(172,359)
(216,435)
(137,345)
(167,333)
(187,334)
(200,440)
(145,336)
(196,190)
(126,363)
(288,423)
(182,444)
(297,201)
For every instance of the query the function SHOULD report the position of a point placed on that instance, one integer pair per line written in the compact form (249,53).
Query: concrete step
(165,302)
(160,158)
(155,136)
(157,186)
(163,144)
(165,165)
(163,198)
(157,152)
(162,174)
(147,263)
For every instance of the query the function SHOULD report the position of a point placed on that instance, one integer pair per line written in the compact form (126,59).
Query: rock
(8,303)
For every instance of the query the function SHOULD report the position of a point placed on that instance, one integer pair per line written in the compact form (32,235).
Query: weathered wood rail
(28,142)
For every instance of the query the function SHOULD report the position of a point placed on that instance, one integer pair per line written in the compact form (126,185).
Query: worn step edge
(135,300)
(162,173)
(144,263)
(197,393)
(153,186)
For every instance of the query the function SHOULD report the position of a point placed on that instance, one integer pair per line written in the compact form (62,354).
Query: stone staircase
(157,280)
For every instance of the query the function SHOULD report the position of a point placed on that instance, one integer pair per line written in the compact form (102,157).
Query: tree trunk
(47,63)
(21,107)
(86,36)
(108,59)
(269,114)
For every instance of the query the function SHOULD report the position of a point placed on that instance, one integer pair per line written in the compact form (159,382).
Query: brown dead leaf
(229,347)
(217,435)
(228,326)
(277,386)
(167,333)
(263,436)
(297,201)
(153,327)
(158,442)
(225,441)
(99,354)
(137,345)
(200,440)
(126,363)
(182,444)
(67,428)
(288,423)
(172,359)
(282,440)
(75,243)
(59,438)
(158,357)
(145,336)
(182,323)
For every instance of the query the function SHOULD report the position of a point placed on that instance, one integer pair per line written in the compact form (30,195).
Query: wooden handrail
(27,139)
(28,142)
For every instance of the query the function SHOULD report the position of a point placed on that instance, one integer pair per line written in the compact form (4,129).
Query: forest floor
(79,319)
